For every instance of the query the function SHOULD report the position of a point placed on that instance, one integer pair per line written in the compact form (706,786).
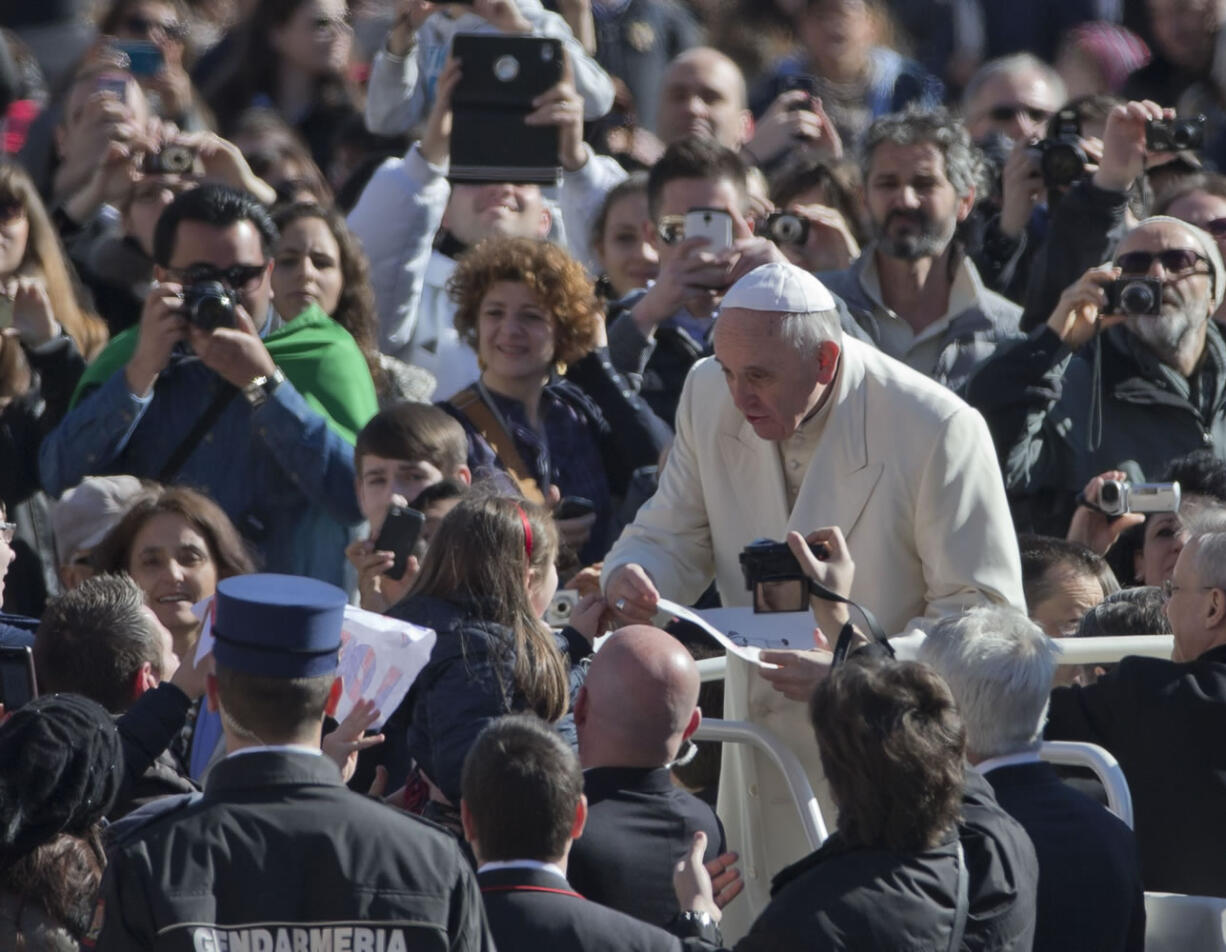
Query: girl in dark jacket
(485,582)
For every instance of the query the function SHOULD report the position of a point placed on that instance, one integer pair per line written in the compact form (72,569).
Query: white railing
(741,732)
(1104,765)
(1072,651)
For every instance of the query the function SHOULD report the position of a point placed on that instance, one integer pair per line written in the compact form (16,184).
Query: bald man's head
(703,94)
(639,700)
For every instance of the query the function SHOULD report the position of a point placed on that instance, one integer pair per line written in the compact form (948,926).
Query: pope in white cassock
(792,426)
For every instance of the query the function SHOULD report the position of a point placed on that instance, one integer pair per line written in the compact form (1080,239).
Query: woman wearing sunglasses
(1152,386)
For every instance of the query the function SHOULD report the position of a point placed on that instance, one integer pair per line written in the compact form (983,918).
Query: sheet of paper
(746,634)
(380,657)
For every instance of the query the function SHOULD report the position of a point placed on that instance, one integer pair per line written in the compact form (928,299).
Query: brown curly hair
(558,280)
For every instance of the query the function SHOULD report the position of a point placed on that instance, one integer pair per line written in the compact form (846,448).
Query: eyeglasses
(1169,588)
(671,229)
(1005,112)
(1174,260)
(7,531)
(143,26)
(239,276)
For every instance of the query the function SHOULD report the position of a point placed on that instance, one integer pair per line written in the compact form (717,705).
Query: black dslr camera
(775,577)
(1175,135)
(785,228)
(172,160)
(1061,157)
(1142,296)
(209,305)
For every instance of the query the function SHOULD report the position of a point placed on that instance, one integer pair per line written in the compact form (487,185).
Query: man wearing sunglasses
(178,399)
(1014,95)
(1107,386)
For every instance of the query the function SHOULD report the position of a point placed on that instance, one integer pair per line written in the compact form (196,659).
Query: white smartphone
(714,224)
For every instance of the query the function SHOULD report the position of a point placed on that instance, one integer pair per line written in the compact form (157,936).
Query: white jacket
(396,219)
(904,468)
(401,88)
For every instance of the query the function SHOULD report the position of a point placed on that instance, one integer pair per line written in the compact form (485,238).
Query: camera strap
(189,443)
(1094,437)
(843,645)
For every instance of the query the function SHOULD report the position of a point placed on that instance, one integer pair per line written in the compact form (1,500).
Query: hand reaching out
(344,743)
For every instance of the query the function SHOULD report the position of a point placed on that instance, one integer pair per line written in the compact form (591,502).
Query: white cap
(87,512)
(780,288)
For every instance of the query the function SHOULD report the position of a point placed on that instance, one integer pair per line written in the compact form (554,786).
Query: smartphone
(398,536)
(17,684)
(714,224)
(574,507)
(144,59)
(805,82)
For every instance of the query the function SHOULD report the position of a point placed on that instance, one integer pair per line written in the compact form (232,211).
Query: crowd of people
(928,292)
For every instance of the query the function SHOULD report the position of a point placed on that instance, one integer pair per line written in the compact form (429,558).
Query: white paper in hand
(380,659)
(787,630)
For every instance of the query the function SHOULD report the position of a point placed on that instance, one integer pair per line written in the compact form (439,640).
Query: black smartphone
(573,507)
(398,536)
(805,82)
(17,684)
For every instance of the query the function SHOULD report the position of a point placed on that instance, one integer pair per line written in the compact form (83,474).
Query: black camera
(785,228)
(1175,135)
(172,160)
(1134,296)
(1062,160)
(775,577)
(209,305)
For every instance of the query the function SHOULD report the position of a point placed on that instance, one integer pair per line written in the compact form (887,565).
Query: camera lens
(1136,297)
(1109,495)
(788,229)
(209,305)
(176,159)
(506,68)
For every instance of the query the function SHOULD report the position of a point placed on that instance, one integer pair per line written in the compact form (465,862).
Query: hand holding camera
(813,237)
(1021,188)
(1125,143)
(694,276)
(1093,527)
(791,122)
(162,325)
(1083,308)
(235,353)
(562,106)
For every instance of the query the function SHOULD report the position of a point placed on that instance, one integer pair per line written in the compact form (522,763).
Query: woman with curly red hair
(549,409)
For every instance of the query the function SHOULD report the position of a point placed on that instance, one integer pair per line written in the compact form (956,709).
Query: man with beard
(1094,389)
(913,291)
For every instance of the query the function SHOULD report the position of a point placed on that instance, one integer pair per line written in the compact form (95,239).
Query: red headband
(523,517)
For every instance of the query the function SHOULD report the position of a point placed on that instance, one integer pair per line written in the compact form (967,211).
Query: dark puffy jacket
(467,683)
(1037,399)
(841,897)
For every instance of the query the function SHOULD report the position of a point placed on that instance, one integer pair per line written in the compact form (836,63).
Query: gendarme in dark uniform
(276,853)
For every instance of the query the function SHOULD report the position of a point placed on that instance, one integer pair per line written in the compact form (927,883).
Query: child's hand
(587,615)
(504,14)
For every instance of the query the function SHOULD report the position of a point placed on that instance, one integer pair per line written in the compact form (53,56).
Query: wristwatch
(260,389)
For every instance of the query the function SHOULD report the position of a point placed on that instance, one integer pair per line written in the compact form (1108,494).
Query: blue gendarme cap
(278,626)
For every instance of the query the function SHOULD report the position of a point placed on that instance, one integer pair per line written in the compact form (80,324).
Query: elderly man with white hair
(1000,665)
(1103,385)
(792,426)
(1165,722)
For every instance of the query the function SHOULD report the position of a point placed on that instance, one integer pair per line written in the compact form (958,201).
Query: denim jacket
(281,474)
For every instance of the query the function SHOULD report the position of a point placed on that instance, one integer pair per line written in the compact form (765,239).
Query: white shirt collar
(964,291)
(279,749)
(523,864)
(1008,760)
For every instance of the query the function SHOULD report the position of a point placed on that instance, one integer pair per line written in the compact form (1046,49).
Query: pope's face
(774,384)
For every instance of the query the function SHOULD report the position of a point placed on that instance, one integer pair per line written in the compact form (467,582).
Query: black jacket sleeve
(147,729)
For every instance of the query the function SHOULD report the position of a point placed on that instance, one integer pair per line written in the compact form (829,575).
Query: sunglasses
(1174,260)
(671,229)
(142,26)
(238,276)
(1006,111)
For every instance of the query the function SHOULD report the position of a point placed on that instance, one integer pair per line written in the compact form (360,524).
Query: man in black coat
(522,808)
(1164,721)
(276,852)
(1000,666)
(637,707)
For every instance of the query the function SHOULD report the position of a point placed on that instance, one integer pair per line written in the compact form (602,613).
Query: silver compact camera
(1118,497)
(557,615)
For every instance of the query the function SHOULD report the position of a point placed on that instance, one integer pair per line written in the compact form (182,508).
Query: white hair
(807,331)
(1210,560)
(999,666)
(1016,64)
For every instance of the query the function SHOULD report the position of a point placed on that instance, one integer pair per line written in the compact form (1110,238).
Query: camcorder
(775,577)
(786,228)
(171,160)
(1061,158)
(1117,497)
(209,305)
(1175,135)
(1141,296)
